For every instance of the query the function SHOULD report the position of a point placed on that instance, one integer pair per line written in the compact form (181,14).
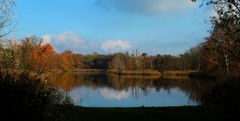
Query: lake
(109,90)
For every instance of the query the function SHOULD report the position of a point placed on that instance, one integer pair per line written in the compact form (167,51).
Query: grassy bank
(154,72)
(135,72)
(79,70)
(178,73)
(140,72)
(199,113)
(89,70)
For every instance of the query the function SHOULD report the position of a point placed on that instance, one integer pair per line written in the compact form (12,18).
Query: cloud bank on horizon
(64,41)
(115,45)
(67,40)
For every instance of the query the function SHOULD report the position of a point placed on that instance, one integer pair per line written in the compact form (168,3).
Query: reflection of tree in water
(136,84)
(69,81)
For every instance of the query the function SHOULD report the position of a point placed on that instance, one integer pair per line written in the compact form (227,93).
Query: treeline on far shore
(32,54)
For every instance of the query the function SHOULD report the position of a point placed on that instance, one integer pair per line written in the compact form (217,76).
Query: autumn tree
(146,61)
(118,62)
(6,26)
(44,57)
(222,47)
(136,61)
(29,53)
(191,59)
(78,61)
(27,45)
(9,55)
(65,60)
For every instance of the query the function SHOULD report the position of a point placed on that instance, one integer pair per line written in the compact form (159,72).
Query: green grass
(199,113)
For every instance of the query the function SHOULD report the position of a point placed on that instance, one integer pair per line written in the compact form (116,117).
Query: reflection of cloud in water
(113,94)
(77,97)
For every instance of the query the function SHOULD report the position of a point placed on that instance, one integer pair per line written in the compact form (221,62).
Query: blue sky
(107,26)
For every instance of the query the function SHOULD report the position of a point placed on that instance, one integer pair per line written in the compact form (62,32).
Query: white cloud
(65,40)
(113,94)
(72,41)
(115,45)
(146,6)
(47,38)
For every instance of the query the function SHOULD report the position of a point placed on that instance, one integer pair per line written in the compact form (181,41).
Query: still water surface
(106,90)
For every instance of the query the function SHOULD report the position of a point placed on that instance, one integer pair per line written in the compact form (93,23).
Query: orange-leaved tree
(44,57)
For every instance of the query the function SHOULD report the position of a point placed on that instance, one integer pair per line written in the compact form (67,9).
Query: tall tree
(222,48)
(27,45)
(44,57)
(118,62)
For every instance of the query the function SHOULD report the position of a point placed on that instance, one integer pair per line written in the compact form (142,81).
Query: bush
(24,96)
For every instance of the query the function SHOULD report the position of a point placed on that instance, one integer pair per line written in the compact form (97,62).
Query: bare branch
(7,23)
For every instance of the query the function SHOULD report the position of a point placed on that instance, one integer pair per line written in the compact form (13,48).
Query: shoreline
(183,113)
(190,73)
(138,72)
